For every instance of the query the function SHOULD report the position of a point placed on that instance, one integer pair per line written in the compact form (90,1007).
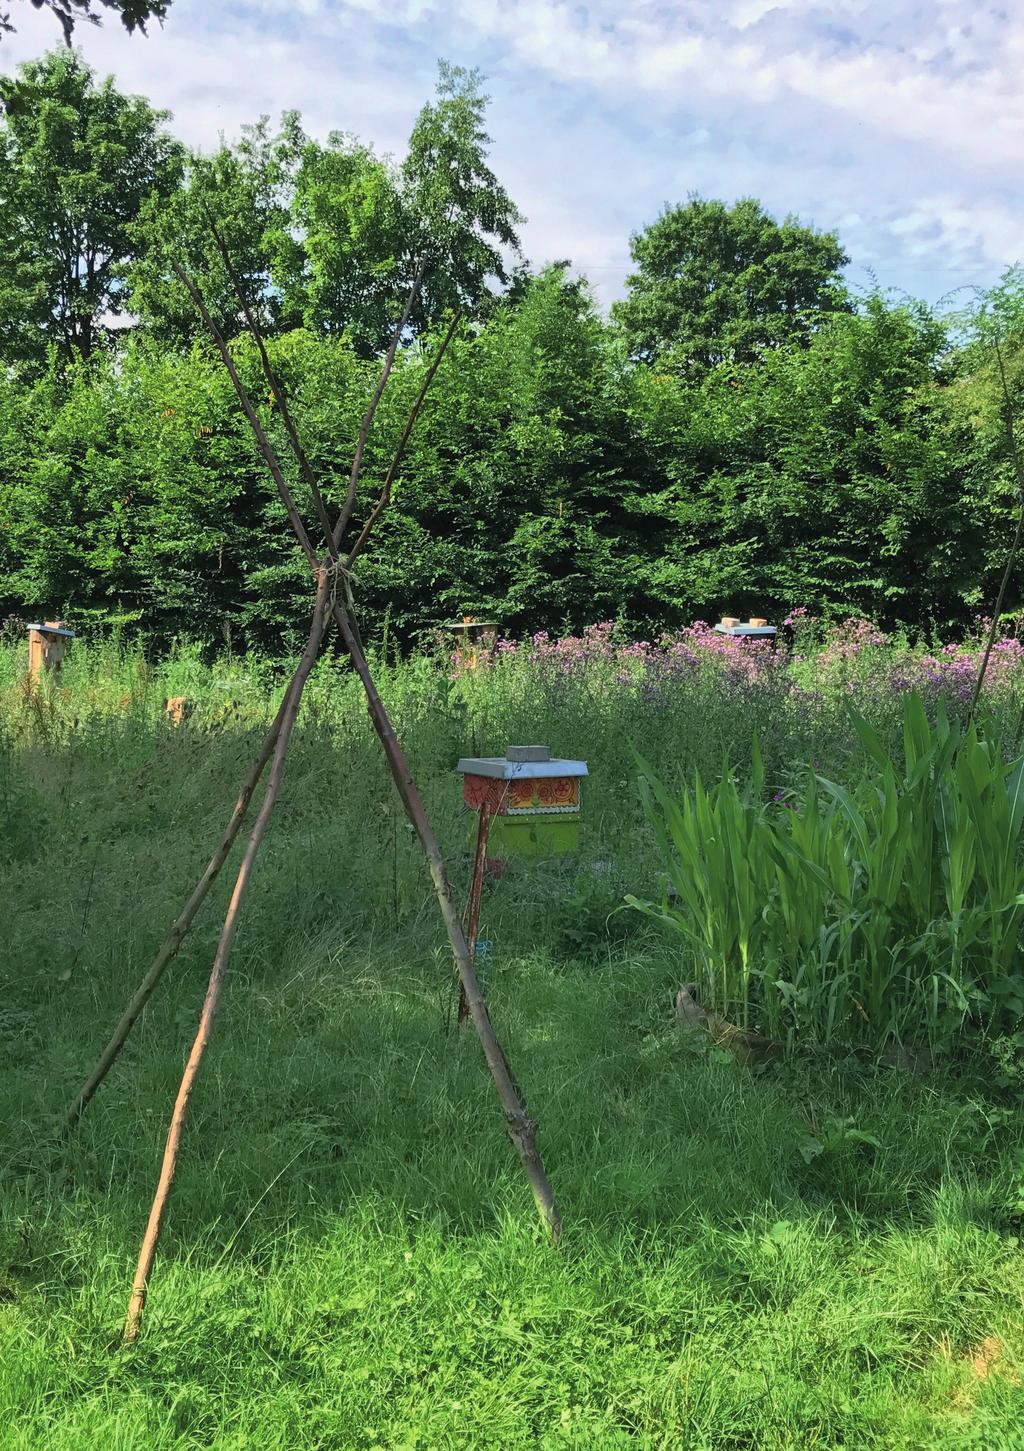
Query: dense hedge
(551,481)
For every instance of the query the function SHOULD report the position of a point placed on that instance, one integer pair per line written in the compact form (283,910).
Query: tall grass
(885,910)
(813,1256)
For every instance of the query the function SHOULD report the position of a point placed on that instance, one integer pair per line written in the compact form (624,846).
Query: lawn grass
(351,1257)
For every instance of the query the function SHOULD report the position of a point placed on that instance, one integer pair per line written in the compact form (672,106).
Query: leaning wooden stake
(213,991)
(168,949)
(522,1128)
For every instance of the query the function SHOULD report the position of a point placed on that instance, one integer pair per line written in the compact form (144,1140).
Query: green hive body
(538,836)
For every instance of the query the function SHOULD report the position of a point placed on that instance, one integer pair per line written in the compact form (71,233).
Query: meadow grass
(821,1253)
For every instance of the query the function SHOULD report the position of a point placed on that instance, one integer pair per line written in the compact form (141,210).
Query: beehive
(47,644)
(534,798)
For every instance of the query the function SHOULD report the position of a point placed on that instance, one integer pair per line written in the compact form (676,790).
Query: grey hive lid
(52,630)
(746,630)
(520,762)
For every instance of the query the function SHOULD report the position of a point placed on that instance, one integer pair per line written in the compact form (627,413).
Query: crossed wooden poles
(331,568)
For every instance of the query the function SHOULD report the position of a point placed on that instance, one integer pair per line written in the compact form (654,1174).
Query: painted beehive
(534,799)
(471,637)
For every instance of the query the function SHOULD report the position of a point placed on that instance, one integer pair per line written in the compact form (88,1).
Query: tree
(332,237)
(349,271)
(133,13)
(520,488)
(991,357)
(721,284)
(247,190)
(459,215)
(821,478)
(77,161)
(367,227)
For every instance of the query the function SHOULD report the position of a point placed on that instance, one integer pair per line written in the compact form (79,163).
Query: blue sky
(900,124)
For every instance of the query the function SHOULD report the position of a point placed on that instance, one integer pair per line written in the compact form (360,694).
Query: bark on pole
(169,1164)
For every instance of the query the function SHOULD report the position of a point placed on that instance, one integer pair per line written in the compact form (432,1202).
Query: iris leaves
(885,912)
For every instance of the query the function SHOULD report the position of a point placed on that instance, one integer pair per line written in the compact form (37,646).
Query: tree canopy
(329,235)
(78,160)
(742,434)
(133,13)
(717,284)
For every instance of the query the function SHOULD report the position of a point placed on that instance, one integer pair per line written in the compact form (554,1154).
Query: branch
(276,387)
(333,537)
(385,493)
(169,947)
(364,430)
(266,447)
(1011,438)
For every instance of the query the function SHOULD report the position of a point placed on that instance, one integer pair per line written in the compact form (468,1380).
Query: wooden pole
(522,1129)
(147,1252)
(476,889)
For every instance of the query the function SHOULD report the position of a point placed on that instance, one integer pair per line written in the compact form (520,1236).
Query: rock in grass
(746,1046)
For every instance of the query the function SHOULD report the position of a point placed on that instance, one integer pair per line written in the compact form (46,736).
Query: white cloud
(900,121)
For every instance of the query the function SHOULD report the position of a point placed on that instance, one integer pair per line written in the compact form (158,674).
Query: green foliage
(351,1255)
(246,191)
(350,270)
(517,491)
(134,13)
(78,161)
(824,477)
(781,449)
(548,483)
(331,237)
(886,911)
(459,214)
(717,284)
(135,496)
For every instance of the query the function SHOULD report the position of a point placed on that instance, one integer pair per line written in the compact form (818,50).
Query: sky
(897,123)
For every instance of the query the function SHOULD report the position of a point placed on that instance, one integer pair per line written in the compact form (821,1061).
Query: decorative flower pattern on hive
(544,793)
(527,795)
(476,790)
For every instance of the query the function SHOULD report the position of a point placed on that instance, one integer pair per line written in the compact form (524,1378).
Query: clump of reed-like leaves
(884,911)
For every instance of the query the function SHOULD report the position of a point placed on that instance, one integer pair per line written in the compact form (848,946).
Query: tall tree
(721,284)
(248,190)
(77,161)
(822,478)
(133,13)
(331,236)
(459,215)
(345,272)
